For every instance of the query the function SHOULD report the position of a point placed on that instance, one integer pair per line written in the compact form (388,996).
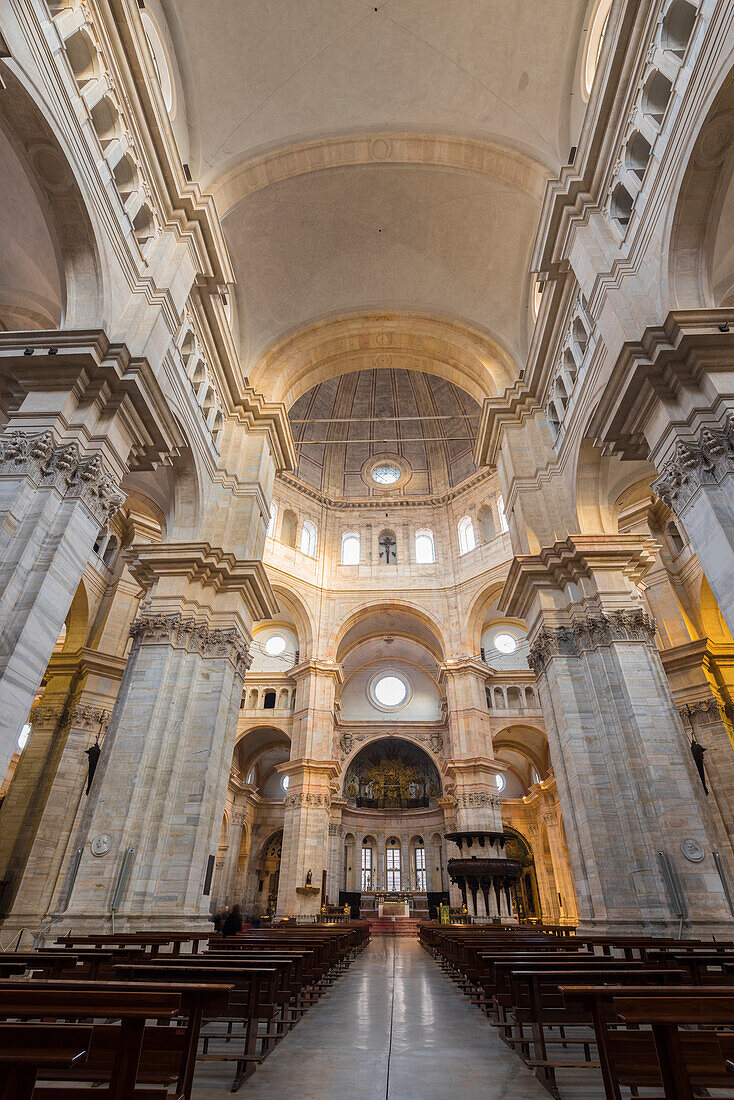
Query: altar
(393,909)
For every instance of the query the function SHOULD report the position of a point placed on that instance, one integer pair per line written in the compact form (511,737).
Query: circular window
(275,645)
(505,643)
(501,782)
(285,782)
(386,474)
(389,691)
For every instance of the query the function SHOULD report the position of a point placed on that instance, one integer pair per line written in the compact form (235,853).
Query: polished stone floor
(394,1027)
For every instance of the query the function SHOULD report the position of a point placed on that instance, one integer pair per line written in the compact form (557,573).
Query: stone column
(561,867)
(335,869)
(311,770)
(226,882)
(471,764)
(626,783)
(153,828)
(53,501)
(86,414)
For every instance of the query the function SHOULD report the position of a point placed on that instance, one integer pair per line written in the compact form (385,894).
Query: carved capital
(704,712)
(307,799)
(474,799)
(694,465)
(195,637)
(336,830)
(63,468)
(589,633)
(86,717)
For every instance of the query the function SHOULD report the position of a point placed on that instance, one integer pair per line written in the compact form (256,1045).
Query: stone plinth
(308,901)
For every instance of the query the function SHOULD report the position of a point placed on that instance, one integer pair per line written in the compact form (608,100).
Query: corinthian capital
(698,464)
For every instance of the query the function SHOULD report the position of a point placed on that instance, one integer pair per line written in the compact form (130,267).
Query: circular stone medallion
(101,844)
(692,850)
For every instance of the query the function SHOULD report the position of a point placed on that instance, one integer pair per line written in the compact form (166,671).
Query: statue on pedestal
(309,877)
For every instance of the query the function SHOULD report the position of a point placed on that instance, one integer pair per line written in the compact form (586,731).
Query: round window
(505,643)
(501,782)
(275,645)
(285,782)
(386,474)
(390,691)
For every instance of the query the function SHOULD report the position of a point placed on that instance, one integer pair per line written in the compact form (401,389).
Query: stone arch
(52,183)
(77,621)
(704,210)
(432,633)
(368,340)
(477,616)
(600,480)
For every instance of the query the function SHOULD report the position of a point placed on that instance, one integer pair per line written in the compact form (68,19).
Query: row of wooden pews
(642,1012)
(129,1015)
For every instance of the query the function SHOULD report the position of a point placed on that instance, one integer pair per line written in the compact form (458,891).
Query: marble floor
(394,1027)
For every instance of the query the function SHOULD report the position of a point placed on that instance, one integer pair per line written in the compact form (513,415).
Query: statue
(93,752)
(697,752)
(309,877)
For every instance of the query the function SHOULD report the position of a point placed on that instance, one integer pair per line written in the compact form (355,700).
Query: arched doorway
(525,890)
(268,874)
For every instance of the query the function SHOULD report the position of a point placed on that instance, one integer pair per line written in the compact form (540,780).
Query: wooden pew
(26,1049)
(632,1058)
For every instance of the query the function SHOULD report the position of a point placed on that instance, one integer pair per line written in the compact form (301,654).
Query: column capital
(576,559)
(194,636)
(693,465)
(65,468)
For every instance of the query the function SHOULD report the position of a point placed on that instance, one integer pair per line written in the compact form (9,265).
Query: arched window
(392,864)
(308,539)
(486,523)
(424,551)
(594,42)
(501,514)
(367,867)
(388,548)
(273,520)
(350,548)
(419,868)
(269,700)
(288,528)
(467,538)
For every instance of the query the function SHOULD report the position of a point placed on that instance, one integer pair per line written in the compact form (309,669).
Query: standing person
(233,923)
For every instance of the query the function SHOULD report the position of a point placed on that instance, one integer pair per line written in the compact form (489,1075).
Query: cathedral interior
(367,504)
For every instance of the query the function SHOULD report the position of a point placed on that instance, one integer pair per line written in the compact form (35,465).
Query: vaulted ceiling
(463,110)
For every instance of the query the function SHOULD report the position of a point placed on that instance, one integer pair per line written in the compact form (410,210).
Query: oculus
(275,645)
(386,473)
(389,691)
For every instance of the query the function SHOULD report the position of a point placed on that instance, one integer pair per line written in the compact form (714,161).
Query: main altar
(394,903)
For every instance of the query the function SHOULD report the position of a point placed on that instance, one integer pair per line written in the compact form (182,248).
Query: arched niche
(392,774)
(51,273)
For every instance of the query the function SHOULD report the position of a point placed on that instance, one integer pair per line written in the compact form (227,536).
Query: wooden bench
(116,1052)
(26,1049)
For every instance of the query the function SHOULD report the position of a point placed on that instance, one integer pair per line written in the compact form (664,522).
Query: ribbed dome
(345,422)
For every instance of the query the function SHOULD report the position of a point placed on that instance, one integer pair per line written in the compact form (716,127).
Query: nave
(394,1026)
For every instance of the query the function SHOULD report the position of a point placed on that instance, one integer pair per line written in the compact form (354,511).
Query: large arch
(302,617)
(57,200)
(372,339)
(704,211)
(347,633)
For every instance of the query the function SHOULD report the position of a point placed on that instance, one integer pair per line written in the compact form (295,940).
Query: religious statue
(309,877)
(93,752)
(697,752)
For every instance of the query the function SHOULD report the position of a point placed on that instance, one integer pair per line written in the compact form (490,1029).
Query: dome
(355,432)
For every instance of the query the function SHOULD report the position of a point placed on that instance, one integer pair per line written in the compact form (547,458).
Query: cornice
(380,503)
(516,405)
(576,557)
(206,565)
(258,414)
(667,358)
(320,668)
(84,362)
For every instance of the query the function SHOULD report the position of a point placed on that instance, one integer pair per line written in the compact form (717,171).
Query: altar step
(393,926)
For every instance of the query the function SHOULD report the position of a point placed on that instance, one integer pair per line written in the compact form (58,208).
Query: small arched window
(350,548)
(424,550)
(273,520)
(467,538)
(594,43)
(388,548)
(288,528)
(501,513)
(308,539)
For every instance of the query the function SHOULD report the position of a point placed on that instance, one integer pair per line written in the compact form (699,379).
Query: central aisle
(393,1027)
